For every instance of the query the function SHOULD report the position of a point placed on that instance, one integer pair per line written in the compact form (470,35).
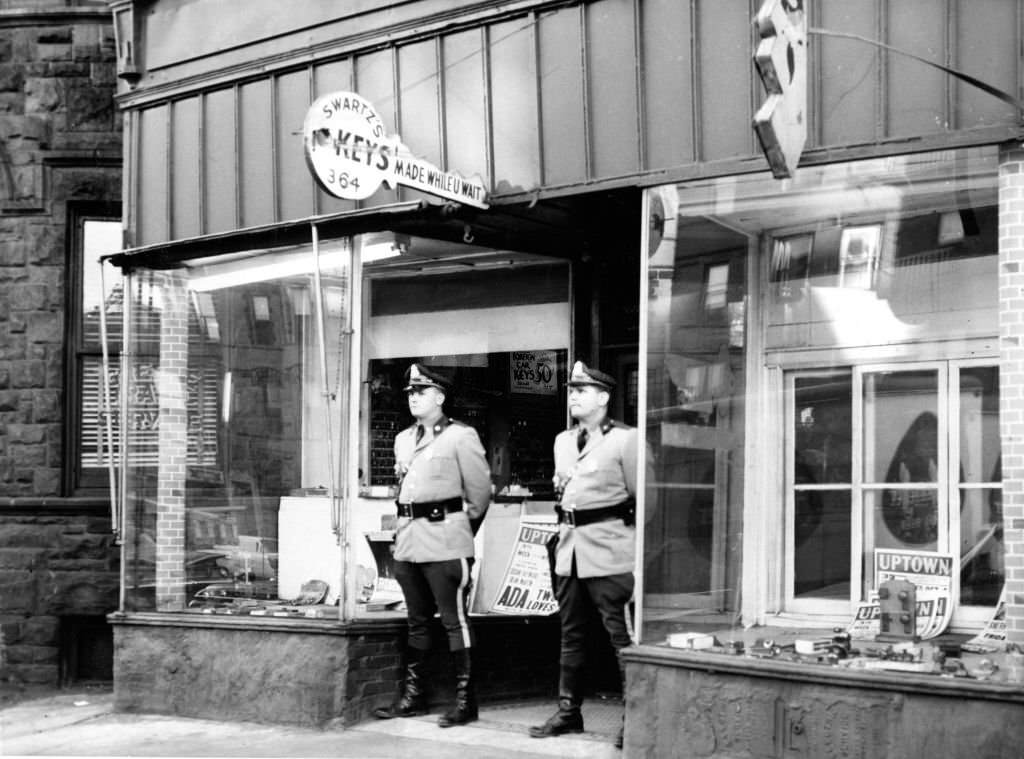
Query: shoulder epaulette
(609,423)
(443,423)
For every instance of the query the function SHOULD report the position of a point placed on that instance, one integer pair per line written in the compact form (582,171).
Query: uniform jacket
(447,462)
(602,474)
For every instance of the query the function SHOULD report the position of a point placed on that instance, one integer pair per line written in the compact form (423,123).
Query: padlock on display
(897,603)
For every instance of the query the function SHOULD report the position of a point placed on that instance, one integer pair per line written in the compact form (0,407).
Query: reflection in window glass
(982,566)
(228,416)
(822,446)
(695,380)
(876,283)
(101,298)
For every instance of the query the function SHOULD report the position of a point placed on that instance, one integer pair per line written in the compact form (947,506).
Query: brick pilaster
(173,444)
(1011,378)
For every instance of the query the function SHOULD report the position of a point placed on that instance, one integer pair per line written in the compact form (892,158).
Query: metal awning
(563,226)
(168,255)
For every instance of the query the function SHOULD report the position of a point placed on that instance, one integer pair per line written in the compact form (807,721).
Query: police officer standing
(444,492)
(595,470)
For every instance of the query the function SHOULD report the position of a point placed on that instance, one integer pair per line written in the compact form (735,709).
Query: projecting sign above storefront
(781,58)
(350,155)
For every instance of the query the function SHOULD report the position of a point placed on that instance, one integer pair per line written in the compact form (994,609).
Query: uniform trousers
(577,596)
(437,586)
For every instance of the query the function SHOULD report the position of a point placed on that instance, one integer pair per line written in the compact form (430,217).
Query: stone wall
(60,145)
(50,567)
(715,705)
(315,673)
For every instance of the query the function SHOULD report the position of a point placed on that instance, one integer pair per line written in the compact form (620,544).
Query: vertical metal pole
(350,450)
(643,450)
(318,299)
(108,427)
(126,353)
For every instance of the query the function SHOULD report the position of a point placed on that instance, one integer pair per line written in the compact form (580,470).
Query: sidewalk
(72,723)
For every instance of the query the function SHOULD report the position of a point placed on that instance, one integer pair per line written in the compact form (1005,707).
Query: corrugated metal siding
(152,175)
(613,106)
(185,158)
(514,106)
(845,89)
(256,153)
(667,83)
(220,162)
(560,96)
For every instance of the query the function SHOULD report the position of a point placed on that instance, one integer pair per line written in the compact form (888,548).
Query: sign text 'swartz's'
(350,155)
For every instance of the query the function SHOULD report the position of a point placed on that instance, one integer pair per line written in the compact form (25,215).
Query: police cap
(418,376)
(584,375)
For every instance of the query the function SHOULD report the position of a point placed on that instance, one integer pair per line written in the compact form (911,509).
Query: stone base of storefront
(306,672)
(728,706)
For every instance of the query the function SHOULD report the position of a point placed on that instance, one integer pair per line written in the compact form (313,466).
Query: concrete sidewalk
(73,723)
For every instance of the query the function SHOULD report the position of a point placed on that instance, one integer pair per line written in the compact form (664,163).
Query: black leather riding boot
(465,709)
(622,730)
(413,700)
(568,718)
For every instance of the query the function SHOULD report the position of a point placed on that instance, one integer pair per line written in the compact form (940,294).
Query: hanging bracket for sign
(350,155)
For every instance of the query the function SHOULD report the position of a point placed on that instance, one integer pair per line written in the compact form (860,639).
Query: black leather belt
(434,511)
(626,511)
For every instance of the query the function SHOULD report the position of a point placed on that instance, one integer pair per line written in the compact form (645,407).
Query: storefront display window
(251,454)
(231,393)
(843,397)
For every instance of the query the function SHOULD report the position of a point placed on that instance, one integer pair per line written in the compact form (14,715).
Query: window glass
(233,403)
(822,455)
(238,417)
(982,563)
(828,339)
(696,368)
(100,296)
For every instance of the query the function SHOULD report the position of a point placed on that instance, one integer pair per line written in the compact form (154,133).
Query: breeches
(437,586)
(609,595)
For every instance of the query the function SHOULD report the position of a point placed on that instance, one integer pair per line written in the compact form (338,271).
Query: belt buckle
(569,516)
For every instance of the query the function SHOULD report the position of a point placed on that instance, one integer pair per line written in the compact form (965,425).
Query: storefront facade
(823,366)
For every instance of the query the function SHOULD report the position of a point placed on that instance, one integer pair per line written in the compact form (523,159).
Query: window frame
(76,481)
(948,483)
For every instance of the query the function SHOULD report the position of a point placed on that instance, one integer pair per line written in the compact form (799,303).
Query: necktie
(419,432)
(581,439)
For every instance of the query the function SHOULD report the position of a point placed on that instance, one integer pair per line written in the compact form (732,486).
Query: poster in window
(526,586)
(534,372)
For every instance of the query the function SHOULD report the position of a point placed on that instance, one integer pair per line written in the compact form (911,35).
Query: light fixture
(124,41)
(264,266)
(377,246)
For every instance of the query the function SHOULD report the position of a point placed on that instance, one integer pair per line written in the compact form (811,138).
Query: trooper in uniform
(595,472)
(444,492)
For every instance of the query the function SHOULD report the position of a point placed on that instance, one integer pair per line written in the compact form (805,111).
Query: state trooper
(595,472)
(444,492)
